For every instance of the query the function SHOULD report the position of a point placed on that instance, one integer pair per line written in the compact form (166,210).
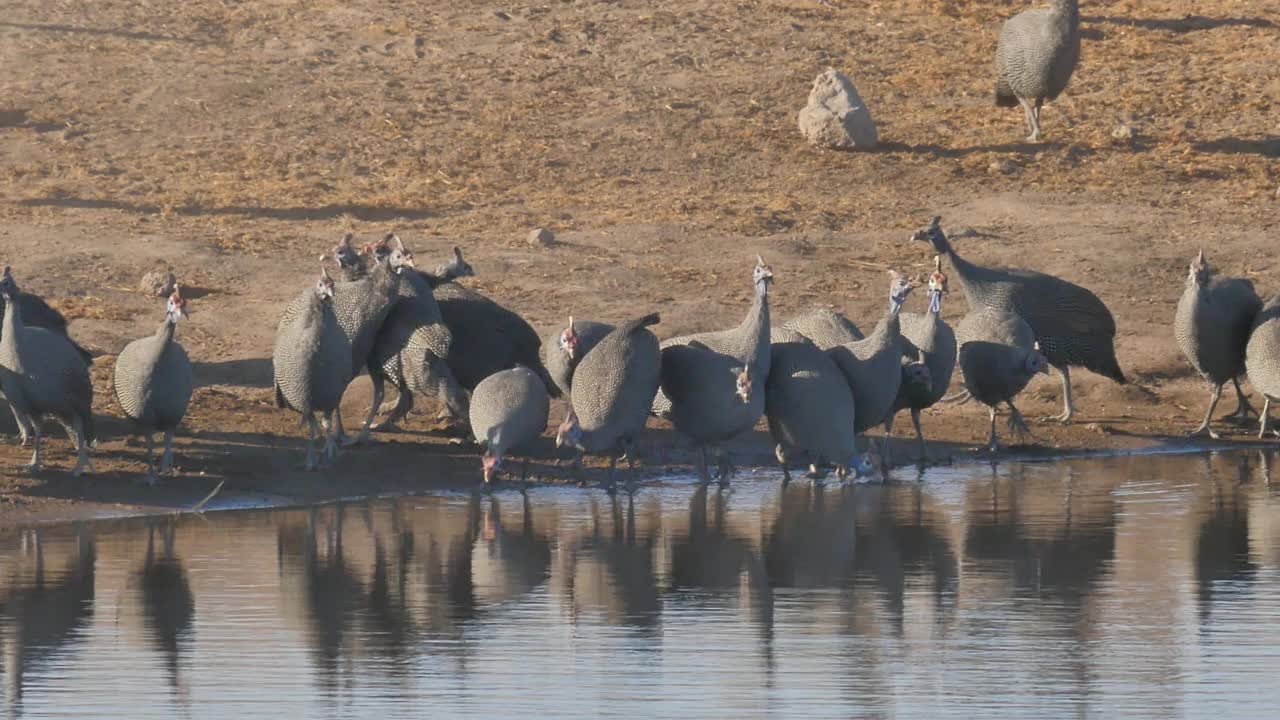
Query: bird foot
(30,469)
(815,473)
(1205,431)
(361,439)
(1062,418)
(1243,416)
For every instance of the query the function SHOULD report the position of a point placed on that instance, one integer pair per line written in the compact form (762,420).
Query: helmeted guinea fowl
(152,381)
(1213,323)
(412,346)
(311,364)
(613,389)
(713,382)
(566,348)
(352,263)
(361,307)
(508,411)
(825,328)
(810,409)
(1037,52)
(998,357)
(930,341)
(1072,326)
(450,271)
(38,313)
(42,374)
(1262,358)
(873,366)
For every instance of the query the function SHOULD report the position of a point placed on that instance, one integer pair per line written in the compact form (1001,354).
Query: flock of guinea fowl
(817,379)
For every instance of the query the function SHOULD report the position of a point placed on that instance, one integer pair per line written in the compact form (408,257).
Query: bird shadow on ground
(246,372)
(1190,23)
(109,32)
(365,213)
(1266,147)
(17,118)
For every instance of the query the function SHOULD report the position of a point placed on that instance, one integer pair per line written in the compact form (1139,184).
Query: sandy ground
(233,142)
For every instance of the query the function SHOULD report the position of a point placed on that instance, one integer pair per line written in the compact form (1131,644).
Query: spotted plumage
(1262,358)
(1072,326)
(810,408)
(824,328)
(42,374)
(564,349)
(930,341)
(508,411)
(998,357)
(152,382)
(1035,57)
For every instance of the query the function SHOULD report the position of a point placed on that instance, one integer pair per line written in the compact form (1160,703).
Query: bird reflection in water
(1223,564)
(167,602)
(606,569)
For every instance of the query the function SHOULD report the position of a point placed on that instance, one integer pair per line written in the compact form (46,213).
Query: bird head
(569,434)
(345,253)
(8,286)
(900,286)
(398,256)
(1036,362)
(458,267)
(569,340)
(932,233)
(176,308)
(490,463)
(742,383)
(1199,272)
(324,286)
(761,276)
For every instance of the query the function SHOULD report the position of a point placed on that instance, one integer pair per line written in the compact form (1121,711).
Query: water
(1133,587)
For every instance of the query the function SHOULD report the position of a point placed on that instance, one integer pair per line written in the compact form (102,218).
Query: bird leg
(704,466)
(993,444)
(312,430)
(610,484)
(363,437)
(1204,429)
(1017,426)
(884,444)
(330,436)
(724,466)
(1266,418)
(1035,115)
(924,447)
(166,456)
(1029,114)
(82,448)
(150,479)
(781,453)
(1243,409)
(404,403)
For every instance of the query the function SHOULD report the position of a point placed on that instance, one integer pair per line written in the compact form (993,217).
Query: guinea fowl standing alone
(1037,52)
(1072,326)
(311,364)
(930,340)
(998,356)
(42,373)
(1262,358)
(152,383)
(508,410)
(411,348)
(361,306)
(713,382)
(873,366)
(564,350)
(824,328)
(1212,325)
(810,409)
(613,391)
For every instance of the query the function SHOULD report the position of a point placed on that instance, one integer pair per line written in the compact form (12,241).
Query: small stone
(157,283)
(836,116)
(541,237)
(1124,132)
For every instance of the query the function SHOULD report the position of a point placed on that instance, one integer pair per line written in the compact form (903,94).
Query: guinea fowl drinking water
(42,374)
(713,382)
(152,382)
(873,366)
(508,411)
(613,390)
(1037,52)
(932,342)
(1072,326)
(998,357)
(311,364)
(564,350)
(1262,359)
(1213,322)
(411,348)
(810,409)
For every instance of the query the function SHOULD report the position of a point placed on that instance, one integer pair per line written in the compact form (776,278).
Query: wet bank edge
(75,511)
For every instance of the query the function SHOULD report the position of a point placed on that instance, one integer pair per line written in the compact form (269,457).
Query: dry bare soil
(232,142)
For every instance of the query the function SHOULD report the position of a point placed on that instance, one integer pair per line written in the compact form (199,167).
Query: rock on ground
(836,116)
(157,282)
